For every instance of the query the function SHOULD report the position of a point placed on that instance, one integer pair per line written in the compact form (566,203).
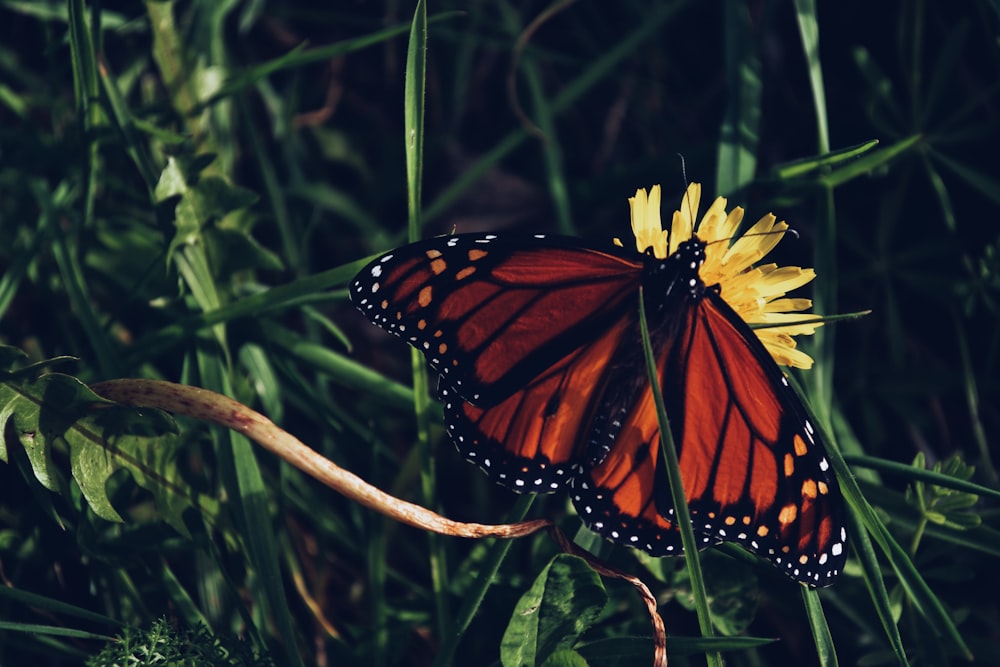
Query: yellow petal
(755,293)
(682,224)
(646,225)
(784,279)
(787,305)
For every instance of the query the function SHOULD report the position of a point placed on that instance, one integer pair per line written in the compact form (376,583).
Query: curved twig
(213,407)
(515,59)
(659,632)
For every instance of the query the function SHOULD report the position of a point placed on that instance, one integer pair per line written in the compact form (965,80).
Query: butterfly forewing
(491,313)
(752,469)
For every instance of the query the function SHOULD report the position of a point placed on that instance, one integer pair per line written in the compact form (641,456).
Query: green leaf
(807,166)
(57,413)
(732,592)
(232,250)
(565,599)
(942,504)
(565,658)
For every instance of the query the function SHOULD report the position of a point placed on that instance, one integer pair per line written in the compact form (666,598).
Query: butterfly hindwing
(532,440)
(617,495)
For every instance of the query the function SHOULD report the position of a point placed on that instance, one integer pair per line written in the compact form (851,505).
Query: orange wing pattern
(490,315)
(752,470)
(531,442)
(538,345)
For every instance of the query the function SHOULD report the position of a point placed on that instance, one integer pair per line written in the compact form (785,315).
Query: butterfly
(537,342)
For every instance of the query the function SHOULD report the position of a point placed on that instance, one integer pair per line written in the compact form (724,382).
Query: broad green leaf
(56,414)
(566,597)
(565,658)
(732,592)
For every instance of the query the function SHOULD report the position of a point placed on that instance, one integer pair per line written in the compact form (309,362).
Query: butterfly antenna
(684,171)
(684,175)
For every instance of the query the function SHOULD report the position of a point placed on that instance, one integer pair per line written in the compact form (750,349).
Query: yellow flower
(757,294)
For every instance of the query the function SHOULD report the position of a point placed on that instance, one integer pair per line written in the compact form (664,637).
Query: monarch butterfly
(537,341)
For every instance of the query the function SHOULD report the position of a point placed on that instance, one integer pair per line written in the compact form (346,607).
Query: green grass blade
(413,115)
(825,257)
(910,472)
(682,516)
(825,650)
(472,599)
(737,157)
(543,117)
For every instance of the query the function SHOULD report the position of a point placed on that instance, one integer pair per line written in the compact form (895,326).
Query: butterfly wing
(752,467)
(533,440)
(491,314)
(537,342)
(618,495)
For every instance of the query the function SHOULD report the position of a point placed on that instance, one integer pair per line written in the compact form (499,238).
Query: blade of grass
(870,162)
(413,114)
(308,289)
(649,27)
(120,117)
(820,163)
(875,582)
(544,114)
(342,369)
(238,463)
(473,598)
(926,602)
(825,650)
(907,471)
(825,258)
(737,153)
(25,251)
(972,401)
(276,197)
(805,14)
(51,205)
(35,601)
(682,517)
(53,630)
(86,88)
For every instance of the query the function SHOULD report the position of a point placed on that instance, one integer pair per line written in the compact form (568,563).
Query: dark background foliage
(122,244)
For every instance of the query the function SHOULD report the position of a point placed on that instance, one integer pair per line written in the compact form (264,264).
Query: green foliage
(56,414)
(732,593)
(186,189)
(162,644)
(942,505)
(548,620)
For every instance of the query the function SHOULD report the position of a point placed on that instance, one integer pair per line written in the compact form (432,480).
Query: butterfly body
(538,345)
